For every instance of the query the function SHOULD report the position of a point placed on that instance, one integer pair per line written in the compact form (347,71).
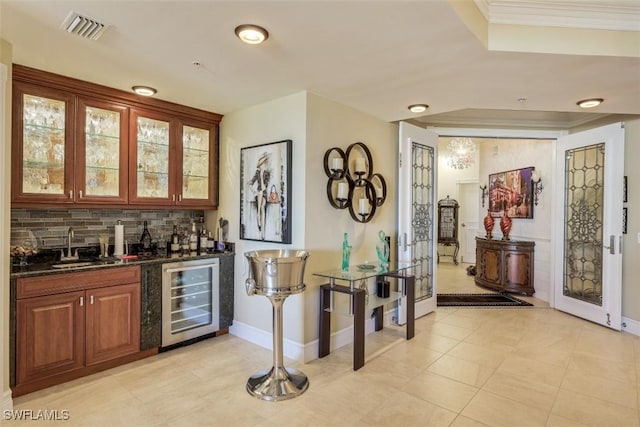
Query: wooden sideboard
(505,265)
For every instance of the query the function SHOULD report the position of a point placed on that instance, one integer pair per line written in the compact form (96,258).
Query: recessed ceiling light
(252,34)
(590,103)
(418,108)
(144,90)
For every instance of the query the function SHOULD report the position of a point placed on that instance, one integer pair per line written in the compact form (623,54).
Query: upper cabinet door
(101,152)
(42,158)
(198,178)
(152,162)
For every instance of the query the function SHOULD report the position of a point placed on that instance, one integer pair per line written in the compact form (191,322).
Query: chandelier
(461,153)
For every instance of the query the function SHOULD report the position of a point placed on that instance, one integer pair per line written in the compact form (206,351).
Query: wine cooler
(190,299)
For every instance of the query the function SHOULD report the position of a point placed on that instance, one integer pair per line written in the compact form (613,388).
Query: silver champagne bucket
(276,274)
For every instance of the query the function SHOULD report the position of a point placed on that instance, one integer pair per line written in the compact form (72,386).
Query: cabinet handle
(80,194)
(91,300)
(179,197)
(173,198)
(71,194)
(81,301)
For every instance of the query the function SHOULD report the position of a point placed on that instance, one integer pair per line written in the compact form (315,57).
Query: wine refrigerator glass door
(190,298)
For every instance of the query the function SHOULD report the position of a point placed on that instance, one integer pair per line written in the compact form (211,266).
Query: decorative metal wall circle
(352,184)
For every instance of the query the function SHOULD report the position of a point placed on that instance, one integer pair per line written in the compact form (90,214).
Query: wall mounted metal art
(352,183)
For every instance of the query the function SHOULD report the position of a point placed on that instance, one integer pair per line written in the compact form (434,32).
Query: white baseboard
(6,404)
(631,326)
(290,349)
(296,351)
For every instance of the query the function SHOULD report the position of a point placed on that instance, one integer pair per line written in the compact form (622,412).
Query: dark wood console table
(505,265)
(360,301)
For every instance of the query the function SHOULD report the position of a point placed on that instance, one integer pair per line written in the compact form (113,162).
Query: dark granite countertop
(43,265)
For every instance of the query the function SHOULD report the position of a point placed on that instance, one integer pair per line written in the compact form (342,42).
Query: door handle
(463,225)
(612,245)
(406,245)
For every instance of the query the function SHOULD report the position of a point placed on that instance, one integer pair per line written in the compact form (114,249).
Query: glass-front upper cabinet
(151,166)
(101,152)
(197,157)
(43,145)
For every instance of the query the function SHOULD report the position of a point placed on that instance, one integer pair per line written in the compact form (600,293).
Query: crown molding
(617,15)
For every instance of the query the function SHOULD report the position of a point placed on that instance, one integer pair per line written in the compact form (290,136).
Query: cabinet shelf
(38,164)
(42,127)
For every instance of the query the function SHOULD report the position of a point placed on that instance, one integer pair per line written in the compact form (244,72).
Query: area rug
(480,300)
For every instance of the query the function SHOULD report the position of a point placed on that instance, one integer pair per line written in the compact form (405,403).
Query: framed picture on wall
(265,192)
(511,191)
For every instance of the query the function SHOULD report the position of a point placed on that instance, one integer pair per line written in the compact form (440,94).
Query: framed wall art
(265,192)
(511,191)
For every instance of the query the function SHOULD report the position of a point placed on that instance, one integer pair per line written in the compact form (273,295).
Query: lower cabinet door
(113,322)
(50,335)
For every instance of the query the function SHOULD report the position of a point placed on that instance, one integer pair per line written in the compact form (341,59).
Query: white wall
(631,240)
(315,125)
(498,155)
(448,178)
(334,125)
(277,120)
(5,161)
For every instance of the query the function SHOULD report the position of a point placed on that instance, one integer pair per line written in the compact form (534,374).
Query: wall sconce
(537,186)
(351,178)
(484,193)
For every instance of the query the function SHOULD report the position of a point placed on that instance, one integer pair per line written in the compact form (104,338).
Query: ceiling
(475,62)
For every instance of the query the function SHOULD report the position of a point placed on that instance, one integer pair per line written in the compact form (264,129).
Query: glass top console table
(356,277)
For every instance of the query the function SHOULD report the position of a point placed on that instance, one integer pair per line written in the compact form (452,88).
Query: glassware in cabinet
(42,146)
(151,159)
(102,155)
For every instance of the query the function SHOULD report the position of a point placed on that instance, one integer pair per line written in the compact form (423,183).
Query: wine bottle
(175,241)
(193,240)
(145,239)
(203,240)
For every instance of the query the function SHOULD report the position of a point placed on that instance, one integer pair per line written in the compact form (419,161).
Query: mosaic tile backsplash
(49,227)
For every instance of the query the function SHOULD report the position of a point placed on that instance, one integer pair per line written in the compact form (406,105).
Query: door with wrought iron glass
(416,214)
(589,166)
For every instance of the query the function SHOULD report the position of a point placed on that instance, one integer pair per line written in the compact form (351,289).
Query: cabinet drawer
(67,282)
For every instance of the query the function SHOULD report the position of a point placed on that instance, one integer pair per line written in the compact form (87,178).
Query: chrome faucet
(69,256)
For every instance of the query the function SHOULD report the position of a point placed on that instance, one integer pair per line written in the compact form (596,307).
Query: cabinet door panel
(197,157)
(42,145)
(491,259)
(113,322)
(50,336)
(151,170)
(517,269)
(102,152)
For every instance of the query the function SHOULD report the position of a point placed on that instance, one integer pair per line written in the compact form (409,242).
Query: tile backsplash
(49,227)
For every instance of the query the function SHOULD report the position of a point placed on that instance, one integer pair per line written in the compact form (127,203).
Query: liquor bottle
(145,239)
(175,241)
(211,243)
(193,240)
(203,240)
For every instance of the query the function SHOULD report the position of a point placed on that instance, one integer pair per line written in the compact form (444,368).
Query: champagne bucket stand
(276,274)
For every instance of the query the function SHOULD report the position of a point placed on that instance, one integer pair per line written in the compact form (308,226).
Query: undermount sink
(73,264)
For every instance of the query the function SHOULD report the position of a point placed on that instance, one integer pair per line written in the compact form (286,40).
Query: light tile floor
(465,367)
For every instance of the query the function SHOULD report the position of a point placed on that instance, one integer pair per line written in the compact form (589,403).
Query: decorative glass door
(196,164)
(101,152)
(44,151)
(416,213)
(590,171)
(150,177)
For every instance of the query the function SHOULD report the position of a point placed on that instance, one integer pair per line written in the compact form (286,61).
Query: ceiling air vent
(83,26)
